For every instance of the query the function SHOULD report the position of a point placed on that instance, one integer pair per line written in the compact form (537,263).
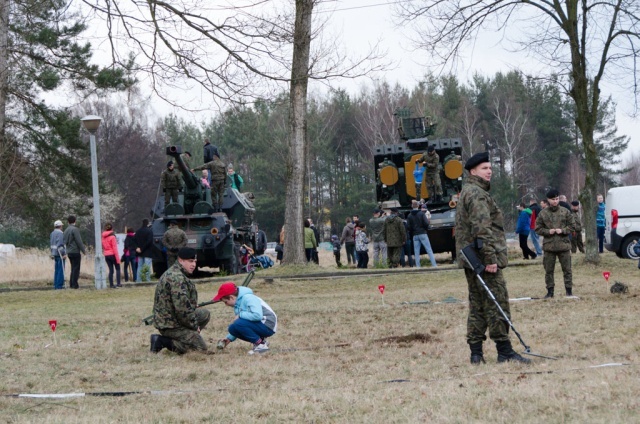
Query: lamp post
(91,124)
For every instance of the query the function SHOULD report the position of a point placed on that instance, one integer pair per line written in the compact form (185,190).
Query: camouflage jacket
(171,179)
(175,301)
(431,162)
(376,227)
(577,222)
(555,217)
(478,216)
(174,238)
(216,168)
(395,234)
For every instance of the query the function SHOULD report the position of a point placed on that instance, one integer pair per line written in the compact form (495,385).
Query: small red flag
(381,288)
(53,324)
(606,275)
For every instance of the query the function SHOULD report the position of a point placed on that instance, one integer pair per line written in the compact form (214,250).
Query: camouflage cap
(187,253)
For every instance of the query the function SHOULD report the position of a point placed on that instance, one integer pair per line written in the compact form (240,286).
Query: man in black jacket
(209,152)
(144,241)
(418,224)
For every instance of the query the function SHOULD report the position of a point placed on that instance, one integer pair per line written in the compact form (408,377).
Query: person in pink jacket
(111,256)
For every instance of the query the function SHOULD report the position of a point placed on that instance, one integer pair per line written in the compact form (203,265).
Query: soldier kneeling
(175,308)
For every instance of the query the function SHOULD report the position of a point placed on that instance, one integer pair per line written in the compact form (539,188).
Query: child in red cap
(255,320)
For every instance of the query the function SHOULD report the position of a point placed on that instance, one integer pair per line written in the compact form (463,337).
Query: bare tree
(469,127)
(583,41)
(632,163)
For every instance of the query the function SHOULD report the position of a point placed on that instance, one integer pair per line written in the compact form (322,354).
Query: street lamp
(91,124)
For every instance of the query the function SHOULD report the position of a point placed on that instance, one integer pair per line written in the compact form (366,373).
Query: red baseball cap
(226,289)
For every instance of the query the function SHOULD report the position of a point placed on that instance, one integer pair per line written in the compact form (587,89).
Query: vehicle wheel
(627,246)
(159,268)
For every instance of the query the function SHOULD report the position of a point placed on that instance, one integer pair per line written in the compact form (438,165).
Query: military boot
(569,292)
(549,293)
(476,353)
(507,354)
(159,342)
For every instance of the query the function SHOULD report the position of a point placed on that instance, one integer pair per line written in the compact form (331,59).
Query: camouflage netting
(619,287)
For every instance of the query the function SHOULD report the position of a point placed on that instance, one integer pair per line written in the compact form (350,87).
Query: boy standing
(362,245)
(254,321)
(335,242)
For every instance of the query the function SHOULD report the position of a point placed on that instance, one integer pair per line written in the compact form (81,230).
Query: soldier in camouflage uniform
(555,223)
(175,311)
(174,238)
(479,218)
(431,161)
(171,181)
(395,236)
(218,173)
(576,236)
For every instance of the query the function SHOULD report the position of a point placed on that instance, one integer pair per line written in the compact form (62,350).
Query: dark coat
(144,240)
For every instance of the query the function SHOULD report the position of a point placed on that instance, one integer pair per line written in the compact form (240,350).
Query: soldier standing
(555,223)
(431,162)
(175,308)
(171,183)
(395,236)
(218,173)
(174,238)
(479,218)
(376,227)
(576,236)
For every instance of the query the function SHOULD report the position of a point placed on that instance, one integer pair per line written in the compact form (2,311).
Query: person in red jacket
(111,255)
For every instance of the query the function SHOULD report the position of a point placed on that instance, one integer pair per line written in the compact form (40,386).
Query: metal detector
(471,257)
(63,254)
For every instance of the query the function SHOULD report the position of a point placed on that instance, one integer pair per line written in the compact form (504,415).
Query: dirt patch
(408,339)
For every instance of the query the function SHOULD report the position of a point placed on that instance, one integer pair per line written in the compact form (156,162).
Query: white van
(623,220)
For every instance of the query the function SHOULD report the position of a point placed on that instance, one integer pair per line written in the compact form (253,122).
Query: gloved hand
(222,343)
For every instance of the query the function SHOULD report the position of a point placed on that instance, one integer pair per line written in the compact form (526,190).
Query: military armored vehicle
(216,235)
(395,183)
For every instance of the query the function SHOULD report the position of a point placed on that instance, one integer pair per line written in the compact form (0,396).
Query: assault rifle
(149,320)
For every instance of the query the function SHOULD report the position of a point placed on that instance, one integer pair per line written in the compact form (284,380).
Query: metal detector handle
(470,255)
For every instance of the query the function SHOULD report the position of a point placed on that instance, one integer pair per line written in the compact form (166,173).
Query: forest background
(527,124)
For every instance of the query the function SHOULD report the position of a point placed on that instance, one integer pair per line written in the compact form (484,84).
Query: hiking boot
(156,343)
(569,292)
(513,357)
(259,348)
(549,294)
(477,359)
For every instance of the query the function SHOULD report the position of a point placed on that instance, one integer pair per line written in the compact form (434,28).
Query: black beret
(173,222)
(394,210)
(476,160)
(187,253)
(575,203)
(169,163)
(377,211)
(553,193)
(431,148)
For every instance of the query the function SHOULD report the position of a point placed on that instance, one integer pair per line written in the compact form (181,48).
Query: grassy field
(339,356)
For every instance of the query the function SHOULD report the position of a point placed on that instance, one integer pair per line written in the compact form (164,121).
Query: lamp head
(91,123)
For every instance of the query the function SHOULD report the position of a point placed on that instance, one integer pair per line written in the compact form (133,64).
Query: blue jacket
(418,173)
(601,220)
(524,222)
(252,308)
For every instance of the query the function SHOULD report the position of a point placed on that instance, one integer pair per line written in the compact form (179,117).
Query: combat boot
(507,354)
(569,292)
(549,293)
(476,353)
(159,342)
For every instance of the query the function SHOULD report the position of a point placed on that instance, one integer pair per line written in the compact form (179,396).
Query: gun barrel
(190,180)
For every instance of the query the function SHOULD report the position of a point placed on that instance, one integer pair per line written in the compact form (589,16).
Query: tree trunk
(294,240)
(4,66)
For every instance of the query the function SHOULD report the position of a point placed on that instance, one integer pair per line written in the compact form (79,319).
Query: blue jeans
(600,232)
(249,331)
(134,267)
(142,261)
(535,239)
(58,274)
(423,239)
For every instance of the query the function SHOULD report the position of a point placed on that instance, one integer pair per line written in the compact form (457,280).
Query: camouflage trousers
(217,194)
(185,339)
(170,194)
(393,255)
(483,313)
(549,262)
(433,184)
(576,242)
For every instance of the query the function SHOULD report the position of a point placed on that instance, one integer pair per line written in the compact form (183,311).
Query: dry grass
(339,355)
